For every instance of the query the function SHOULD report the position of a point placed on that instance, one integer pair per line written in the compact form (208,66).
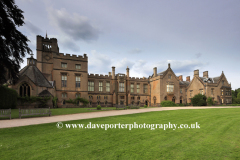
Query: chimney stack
(109,74)
(113,72)
(205,74)
(188,78)
(127,70)
(180,78)
(154,71)
(196,73)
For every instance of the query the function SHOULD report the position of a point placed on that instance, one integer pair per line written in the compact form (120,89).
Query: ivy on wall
(76,100)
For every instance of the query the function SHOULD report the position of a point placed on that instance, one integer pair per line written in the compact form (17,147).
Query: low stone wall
(32,106)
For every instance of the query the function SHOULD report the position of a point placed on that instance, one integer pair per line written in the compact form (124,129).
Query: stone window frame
(100,86)
(24,86)
(64,95)
(138,87)
(145,88)
(169,76)
(121,86)
(64,79)
(78,66)
(77,80)
(191,91)
(63,65)
(201,91)
(181,90)
(78,95)
(170,88)
(212,91)
(91,86)
(132,87)
(107,86)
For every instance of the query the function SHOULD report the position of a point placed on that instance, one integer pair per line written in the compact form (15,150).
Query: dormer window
(64,65)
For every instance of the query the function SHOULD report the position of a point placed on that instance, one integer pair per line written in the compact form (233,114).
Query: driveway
(88,115)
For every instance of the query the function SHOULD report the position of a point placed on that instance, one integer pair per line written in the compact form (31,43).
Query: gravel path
(62,118)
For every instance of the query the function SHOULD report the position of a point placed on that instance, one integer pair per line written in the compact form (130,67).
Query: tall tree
(13,44)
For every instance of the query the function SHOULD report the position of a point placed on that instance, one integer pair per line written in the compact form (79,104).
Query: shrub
(145,106)
(76,100)
(167,104)
(210,101)
(236,100)
(199,100)
(180,104)
(99,107)
(54,100)
(8,97)
(41,100)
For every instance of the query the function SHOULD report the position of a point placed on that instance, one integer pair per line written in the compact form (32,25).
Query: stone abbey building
(66,76)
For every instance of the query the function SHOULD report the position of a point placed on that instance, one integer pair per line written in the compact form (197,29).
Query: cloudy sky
(189,34)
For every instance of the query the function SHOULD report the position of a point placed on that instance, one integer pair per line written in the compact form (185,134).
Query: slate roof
(35,75)
(161,73)
(184,83)
(212,80)
(45,93)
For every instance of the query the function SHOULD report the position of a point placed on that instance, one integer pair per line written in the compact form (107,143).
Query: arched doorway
(181,100)
(106,103)
(146,102)
(173,99)
(165,98)
(121,103)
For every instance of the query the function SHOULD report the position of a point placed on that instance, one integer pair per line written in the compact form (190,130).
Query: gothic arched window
(24,90)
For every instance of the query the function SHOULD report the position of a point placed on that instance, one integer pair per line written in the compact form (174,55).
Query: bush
(236,101)
(76,100)
(199,100)
(8,98)
(99,107)
(210,101)
(145,106)
(41,100)
(167,104)
(54,101)
(180,104)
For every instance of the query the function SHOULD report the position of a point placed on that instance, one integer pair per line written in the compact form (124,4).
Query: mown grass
(218,138)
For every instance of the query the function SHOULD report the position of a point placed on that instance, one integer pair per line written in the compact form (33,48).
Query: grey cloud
(73,25)
(198,55)
(136,51)
(32,28)
(185,66)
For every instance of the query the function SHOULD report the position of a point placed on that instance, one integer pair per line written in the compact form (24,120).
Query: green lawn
(218,138)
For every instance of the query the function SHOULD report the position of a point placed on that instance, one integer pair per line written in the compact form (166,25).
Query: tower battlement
(99,76)
(73,56)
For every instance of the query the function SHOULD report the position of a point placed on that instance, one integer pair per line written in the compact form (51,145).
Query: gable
(196,83)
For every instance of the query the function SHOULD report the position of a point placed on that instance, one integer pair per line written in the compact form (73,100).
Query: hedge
(168,104)
(8,98)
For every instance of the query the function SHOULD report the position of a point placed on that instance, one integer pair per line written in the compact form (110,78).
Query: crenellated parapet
(72,57)
(101,76)
(138,79)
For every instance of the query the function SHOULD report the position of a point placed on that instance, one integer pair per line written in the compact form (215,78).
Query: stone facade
(69,77)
